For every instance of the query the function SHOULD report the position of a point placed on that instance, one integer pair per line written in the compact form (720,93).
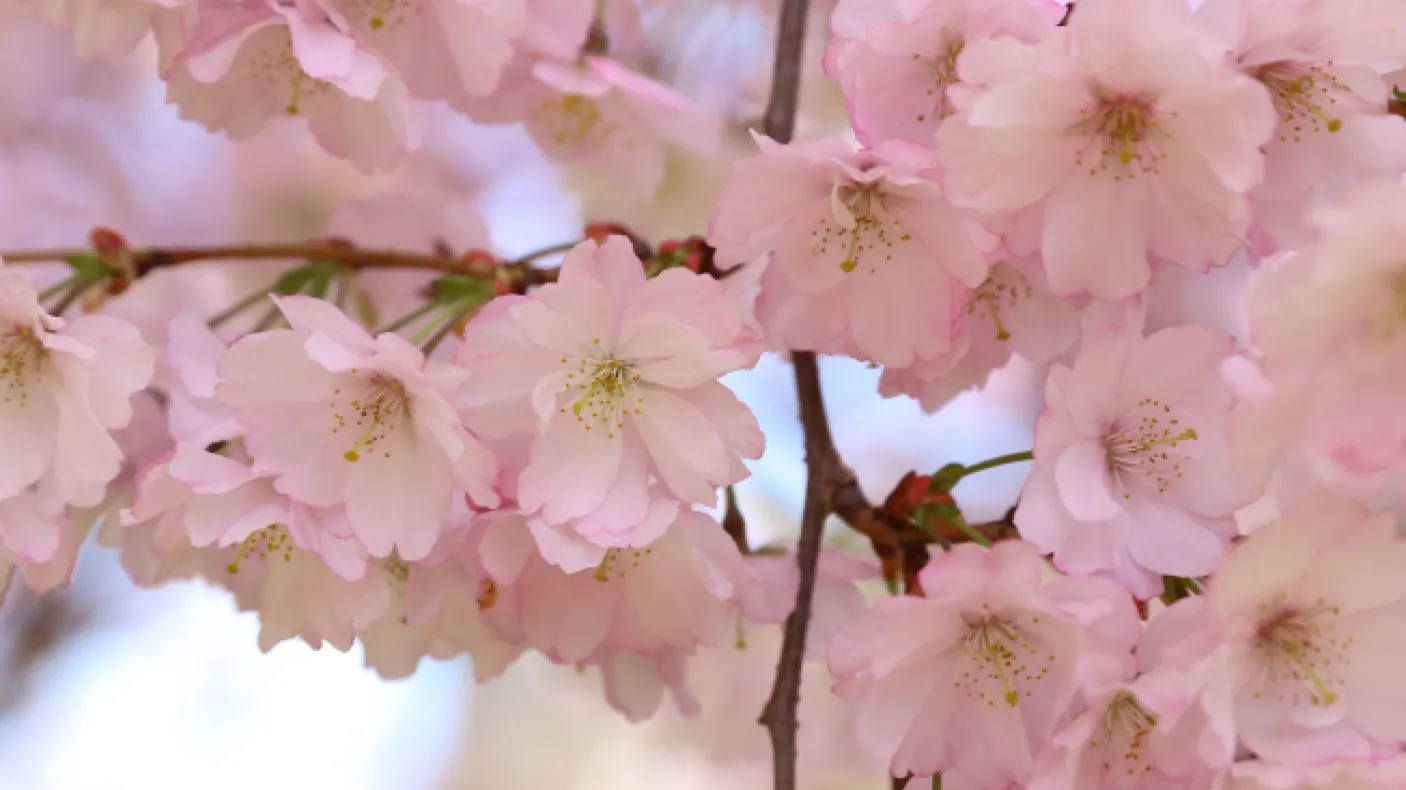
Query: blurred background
(107,687)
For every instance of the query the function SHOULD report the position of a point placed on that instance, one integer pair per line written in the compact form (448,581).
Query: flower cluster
(357,70)
(1198,586)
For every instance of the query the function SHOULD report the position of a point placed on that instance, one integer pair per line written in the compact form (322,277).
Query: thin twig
(779,715)
(151,258)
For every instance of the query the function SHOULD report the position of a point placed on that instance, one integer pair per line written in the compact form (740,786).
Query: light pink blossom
(1116,742)
(234,65)
(1327,326)
(675,594)
(598,114)
(1132,471)
(866,251)
(896,65)
(64,386)
(442,48)
(614,381)
(1377,774)
(439,608)
(341,418)
(1295,650)
(1322,63)
(1011,314)
(107,29)
(969,678)
(1117,141)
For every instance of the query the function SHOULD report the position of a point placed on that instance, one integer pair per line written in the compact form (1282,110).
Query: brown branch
(145,260)
(779,715)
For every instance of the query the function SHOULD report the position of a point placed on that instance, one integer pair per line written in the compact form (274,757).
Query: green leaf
(1396,92)
(89,267)
(365,308)
(946,478)
(453,288)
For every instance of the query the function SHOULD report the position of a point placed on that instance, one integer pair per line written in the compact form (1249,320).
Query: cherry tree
(401,438)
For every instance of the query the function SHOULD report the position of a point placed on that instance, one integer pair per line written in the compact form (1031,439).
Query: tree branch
(145,260)
(779,715)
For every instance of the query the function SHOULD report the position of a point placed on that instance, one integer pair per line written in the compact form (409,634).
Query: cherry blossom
(674,594)
(1326,330)
(1132,471)
(970,677)
(108,29)
(599,114)
(341,418)
(1011,314)
(1117,141)
(613,378)
(66,386)
(235,65)
(897,64)
(866,251)
(1293,653)
(442,48)
(1339,775)
(1322,63)
(438,609)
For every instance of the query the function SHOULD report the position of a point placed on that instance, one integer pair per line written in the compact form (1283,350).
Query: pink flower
(1119,740)
(1009,314)
(1322,63)
(1328,329)
(896,65)
(836,599)
(614,380)
(598,114)
(970,678)
(107,29)
(341,418)
(672,595)
(634,684)
(236,63)
(265,548)
(64,386)
(1384,774)
(439,608)
(1118,140)
(443,48)
(28,534)
(1132,472)
(866,251)
(1304,622)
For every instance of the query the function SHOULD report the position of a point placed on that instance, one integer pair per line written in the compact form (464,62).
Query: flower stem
(238,307)
(949,476)
(409,318)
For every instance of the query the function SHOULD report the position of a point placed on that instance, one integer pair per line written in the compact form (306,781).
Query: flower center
(944,68)
(1002,660)
(1146,446)
(604,391)
(383,14)
(1122,735)
(859,225)
(21,355)
(616,564)
(271,540)
(1123,135)
(1299,92)
(996,293)
(272,62)
(575,120)
(487,594)
(1301,655)
(372,416)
